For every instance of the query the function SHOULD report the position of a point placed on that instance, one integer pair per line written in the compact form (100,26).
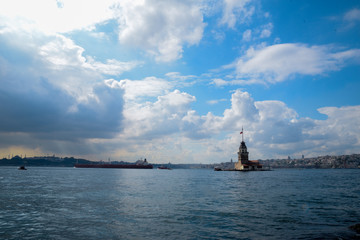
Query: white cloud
(218,35)
(54,16)
(279,62)
(160,27)
(55,96)
(177,76)
(62,53)
(216,101)
(242,111)
(265,33)
(112,66)
(236,11)
(158,119)
(54,59)
(266,30)
(274,110)
(247,35)
(139,89)
(178,80)
(221,82)
(54,93)
(272,129)
(346,21)
(338,134)
(341,122)
(353,15)
(176,98)
(64,65)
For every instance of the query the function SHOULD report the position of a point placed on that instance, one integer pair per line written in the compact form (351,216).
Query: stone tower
(243,154)
(243,163)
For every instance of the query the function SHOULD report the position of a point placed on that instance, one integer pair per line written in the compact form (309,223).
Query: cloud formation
(236,11)
(351,18)
(160,118)
(52,17)
(160,27)
(57,97)
(272,129)
(137,90)
(277,63)
(53,114)
(54,93)
(63,53)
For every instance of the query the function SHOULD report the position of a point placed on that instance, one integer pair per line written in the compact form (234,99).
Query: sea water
(69,203)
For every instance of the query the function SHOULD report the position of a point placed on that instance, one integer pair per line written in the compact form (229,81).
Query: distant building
(243,163)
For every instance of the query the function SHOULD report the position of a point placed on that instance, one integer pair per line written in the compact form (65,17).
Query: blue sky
(177,80)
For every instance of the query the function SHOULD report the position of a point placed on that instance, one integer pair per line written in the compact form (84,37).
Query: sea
(70,203)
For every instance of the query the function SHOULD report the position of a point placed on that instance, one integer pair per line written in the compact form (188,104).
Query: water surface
(68,203)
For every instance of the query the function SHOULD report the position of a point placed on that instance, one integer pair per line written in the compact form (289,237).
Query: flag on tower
(241,132)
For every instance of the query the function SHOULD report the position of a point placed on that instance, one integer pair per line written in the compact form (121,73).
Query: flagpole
(242,135)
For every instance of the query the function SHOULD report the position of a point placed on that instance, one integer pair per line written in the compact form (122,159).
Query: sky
(177,80)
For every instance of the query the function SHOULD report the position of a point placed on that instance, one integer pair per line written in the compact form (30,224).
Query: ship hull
(131,166)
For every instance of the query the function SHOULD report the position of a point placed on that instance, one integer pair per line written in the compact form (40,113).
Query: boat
(22,168)
(140,164)
(163,167)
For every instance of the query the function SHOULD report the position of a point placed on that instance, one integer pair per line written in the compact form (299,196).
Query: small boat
(163,167)
(22,168)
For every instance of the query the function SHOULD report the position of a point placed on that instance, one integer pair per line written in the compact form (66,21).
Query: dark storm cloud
(53,114)
(41,101)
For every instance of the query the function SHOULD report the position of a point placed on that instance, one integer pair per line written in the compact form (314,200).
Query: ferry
(140,164)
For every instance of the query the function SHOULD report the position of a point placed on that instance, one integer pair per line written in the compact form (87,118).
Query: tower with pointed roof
(243,163)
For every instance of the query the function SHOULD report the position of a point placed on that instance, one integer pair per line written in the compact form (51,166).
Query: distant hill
(42,161)
(343,161)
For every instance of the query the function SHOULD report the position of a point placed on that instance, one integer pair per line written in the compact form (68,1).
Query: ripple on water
(64,203)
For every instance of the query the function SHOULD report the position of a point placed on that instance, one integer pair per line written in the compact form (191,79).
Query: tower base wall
(239,166)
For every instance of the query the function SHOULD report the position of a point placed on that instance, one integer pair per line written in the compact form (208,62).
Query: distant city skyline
(175,81)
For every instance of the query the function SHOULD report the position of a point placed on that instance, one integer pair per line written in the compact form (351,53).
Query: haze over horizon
(175,81)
